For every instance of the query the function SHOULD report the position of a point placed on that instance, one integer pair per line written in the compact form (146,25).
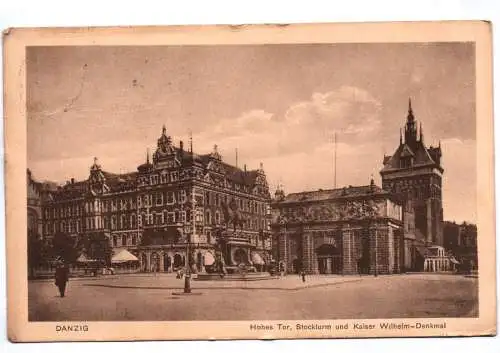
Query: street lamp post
(187,277)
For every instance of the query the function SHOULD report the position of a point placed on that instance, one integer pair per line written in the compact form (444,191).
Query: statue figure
(220,263)
(232,215)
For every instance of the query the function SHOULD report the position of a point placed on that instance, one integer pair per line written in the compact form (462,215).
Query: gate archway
(329,259)
(166,262)
(155,262)
(178,261)
(144,262)
(296,265)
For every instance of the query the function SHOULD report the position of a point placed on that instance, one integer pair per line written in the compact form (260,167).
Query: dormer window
(406,162)
(174,176)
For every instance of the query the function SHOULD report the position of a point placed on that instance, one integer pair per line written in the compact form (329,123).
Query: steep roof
(232,172)
(322,195)
(421,156)
(166,150)
(118,182)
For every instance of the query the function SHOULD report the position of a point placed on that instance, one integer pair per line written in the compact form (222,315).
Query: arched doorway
(177,261)
(329,259)
(166,262)
(144,262)
(419,261)
(199,261)
(364,260)
(296,266)
(155,262)
(240,256)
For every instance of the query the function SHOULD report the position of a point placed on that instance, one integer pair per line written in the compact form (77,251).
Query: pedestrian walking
(303,275)
(62,277)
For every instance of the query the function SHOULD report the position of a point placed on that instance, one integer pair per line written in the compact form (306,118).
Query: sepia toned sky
(278,104)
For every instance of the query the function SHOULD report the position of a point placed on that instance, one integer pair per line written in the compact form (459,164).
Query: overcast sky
(278,104)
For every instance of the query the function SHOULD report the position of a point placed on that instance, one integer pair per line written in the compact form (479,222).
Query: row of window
(160,198)
(89,207)
(159,218)
(113,205)
(74,226)
(124,240)
(63,211)
(124,222)
(217,199)
(162,178)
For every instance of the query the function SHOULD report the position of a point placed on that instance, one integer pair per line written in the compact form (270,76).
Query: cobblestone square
(151,298)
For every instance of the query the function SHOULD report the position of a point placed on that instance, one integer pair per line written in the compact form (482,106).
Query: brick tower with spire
(414,174)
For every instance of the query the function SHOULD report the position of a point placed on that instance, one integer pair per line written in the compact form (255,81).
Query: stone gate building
(341,231)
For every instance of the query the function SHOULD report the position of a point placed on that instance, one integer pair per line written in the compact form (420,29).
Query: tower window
(170,217)
(406,162)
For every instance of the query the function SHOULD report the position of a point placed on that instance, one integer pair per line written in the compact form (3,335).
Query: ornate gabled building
(178,200)
(342,231)
(414,175)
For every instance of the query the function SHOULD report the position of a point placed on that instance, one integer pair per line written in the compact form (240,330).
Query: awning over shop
(453,260)
(209,259)
(257,259)
(123,256)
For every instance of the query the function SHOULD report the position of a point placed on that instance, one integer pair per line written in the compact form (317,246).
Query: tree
(64,246)
(35,249)
(98,248)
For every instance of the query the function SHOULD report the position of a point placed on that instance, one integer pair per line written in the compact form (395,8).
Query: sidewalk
(285,283)
(107,277)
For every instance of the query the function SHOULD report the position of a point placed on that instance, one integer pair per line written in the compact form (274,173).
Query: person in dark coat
(62,277)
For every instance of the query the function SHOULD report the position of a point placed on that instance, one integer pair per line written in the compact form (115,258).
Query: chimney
(72,180)
(245,168)
(181,146)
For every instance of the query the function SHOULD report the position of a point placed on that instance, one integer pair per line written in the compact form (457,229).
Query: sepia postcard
(250,182)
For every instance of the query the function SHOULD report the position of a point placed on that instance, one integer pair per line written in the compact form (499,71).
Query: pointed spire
(190,141)
(400,136)
(261,166)
(164,130)
(410,111)
(147,156)
(96,165)
(421,133)
(236,157)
